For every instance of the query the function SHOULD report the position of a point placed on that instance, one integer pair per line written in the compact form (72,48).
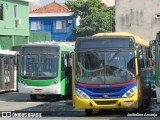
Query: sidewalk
(5,91)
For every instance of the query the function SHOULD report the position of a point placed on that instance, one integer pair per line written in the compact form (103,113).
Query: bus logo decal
(105,96)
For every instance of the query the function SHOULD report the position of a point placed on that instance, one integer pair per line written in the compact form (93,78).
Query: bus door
(145,73)
(66,70)
(7,77)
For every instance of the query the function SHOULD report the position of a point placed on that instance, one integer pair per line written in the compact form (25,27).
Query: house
(54,18)
(140,17)
(14,22)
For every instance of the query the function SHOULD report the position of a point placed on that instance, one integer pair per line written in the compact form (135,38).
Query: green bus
(44,68)
(152,44)
(157,66)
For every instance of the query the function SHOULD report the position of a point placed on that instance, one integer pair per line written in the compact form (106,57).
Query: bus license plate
(38,90)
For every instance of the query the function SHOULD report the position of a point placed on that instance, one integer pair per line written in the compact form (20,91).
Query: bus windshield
(39,66)
(109,67)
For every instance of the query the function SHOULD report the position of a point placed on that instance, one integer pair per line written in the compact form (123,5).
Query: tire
(33,97)
(88,112)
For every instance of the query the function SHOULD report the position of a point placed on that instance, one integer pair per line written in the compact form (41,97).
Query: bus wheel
(33,97)
(88,112)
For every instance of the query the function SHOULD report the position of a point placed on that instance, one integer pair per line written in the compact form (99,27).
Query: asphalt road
(20,106)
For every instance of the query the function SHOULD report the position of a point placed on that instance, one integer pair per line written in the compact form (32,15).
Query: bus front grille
(106,102)
(106,90)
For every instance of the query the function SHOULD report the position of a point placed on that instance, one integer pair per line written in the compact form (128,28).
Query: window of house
(60,26)
(1,11)
(36,25)
(15,11)
(158,15)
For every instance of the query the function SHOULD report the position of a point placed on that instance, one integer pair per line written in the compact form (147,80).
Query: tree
(95,17)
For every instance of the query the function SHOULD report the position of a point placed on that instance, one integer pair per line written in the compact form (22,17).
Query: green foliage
(95,17)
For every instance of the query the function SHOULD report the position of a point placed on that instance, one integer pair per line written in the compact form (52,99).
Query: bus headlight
(130,92)
(81,94)
(54,82)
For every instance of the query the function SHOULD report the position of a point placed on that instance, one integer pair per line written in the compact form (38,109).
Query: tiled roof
(53,7)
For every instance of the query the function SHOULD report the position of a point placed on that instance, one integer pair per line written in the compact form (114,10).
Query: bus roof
(58,43)
(65,46)
(138,40)
(7,52)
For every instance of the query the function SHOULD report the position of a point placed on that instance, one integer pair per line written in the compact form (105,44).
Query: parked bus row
(104,71)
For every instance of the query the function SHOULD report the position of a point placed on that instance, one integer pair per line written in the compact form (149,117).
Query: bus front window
(39,66)
(105,67)
(120,67)
(90,68)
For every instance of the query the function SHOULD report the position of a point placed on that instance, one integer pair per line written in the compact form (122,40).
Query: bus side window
(147,57)
(140,57)
(144,56)
(68,61)
(150,55)
(63,67)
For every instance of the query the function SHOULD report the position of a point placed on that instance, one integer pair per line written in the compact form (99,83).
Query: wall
(48,27)
(6,42)
(8,25)
(108,2)
(138,17)
(39,36)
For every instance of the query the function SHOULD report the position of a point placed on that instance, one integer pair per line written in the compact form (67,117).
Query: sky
(44,2)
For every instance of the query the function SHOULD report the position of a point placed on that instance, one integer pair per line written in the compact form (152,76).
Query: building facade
(108,2)
(140,17)
(14,22)
(54,18)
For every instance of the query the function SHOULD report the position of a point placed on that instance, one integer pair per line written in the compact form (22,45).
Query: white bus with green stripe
(44,68)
